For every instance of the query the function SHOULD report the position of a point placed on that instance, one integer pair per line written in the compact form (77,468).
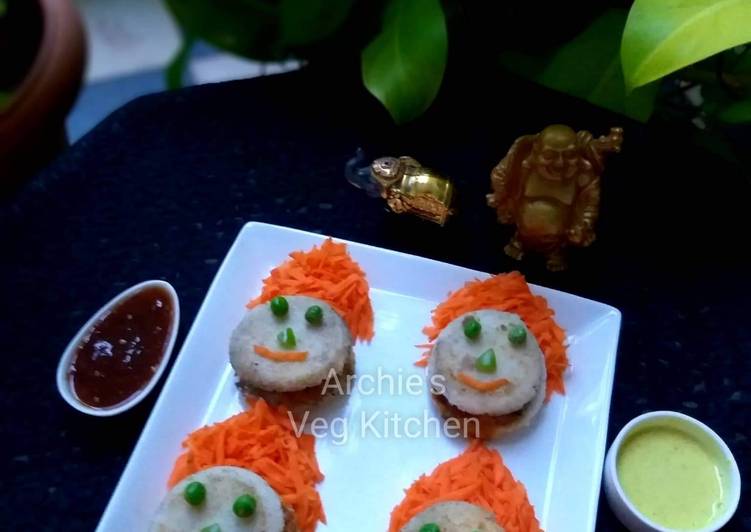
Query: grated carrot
(423,361)
(477,476)
(508,292)
(262,440)
(480,386)
(280,356)
(328,273)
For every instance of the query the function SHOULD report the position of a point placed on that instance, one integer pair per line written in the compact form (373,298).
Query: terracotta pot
(32,127)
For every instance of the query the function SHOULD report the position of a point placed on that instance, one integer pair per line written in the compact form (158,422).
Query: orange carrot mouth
(280,356)
(481,386)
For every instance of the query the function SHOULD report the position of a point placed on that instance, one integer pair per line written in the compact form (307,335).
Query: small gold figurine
(548,185)
(407,186)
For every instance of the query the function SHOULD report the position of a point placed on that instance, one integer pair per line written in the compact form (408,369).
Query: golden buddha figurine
(548,185)
(407,186)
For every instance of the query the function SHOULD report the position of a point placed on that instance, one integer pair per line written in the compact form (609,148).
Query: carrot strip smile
(280,356)
(480,386)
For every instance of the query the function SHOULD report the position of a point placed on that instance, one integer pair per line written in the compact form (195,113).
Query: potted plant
(42,45)
(682,60)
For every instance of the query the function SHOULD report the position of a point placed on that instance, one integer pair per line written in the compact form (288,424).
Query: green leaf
(736,69)
(5,98)
(727,98)
(738,60)
(662,36)
(176,68)
(589,67)
(403,66)
(245,27)
(714,142)
(736,112)
(308,21)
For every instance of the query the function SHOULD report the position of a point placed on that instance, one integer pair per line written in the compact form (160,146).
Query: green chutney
(672,477)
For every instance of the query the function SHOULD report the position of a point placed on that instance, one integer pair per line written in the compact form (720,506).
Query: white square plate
(559,458)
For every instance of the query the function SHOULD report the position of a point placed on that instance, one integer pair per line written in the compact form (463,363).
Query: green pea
(430,527)
(245,506)
(279,306)
(287,338)
(194,493)
(486,363)
(517,335)
(472,327)
(212,528)
(314,314)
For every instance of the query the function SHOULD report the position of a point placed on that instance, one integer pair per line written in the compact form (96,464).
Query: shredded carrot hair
(328,273)
(262,440)
(280,356)
(477,476)
(508,292)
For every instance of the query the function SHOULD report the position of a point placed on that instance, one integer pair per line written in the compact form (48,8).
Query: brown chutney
(122,351)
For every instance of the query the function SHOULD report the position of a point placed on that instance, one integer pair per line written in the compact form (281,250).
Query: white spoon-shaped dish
(64,382)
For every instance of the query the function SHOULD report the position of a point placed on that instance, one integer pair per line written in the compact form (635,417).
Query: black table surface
(162,186)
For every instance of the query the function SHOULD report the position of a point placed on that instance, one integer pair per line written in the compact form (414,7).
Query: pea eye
(287,338)
(279,306)
(195,493)
(430,527)
(517,335)
(486,362)
(471,327)
(212,528)
(314,314)
(244,506)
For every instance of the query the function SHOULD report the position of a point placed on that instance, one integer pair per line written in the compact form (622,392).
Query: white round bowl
(64,385)
(622,507)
